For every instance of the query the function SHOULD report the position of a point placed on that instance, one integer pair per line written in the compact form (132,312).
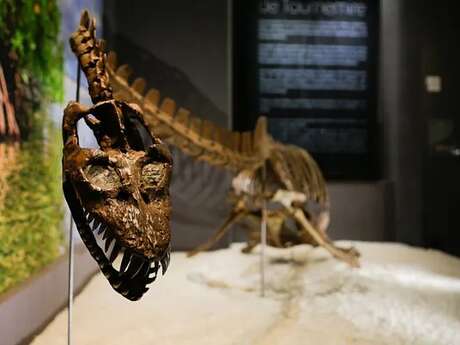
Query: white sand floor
(400,296)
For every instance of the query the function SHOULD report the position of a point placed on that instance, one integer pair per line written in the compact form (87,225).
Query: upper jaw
(116,244)
(134,271)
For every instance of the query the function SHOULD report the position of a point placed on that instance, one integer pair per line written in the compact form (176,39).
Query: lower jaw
(135,273)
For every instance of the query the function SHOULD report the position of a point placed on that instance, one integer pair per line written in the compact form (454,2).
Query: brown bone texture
(118,194)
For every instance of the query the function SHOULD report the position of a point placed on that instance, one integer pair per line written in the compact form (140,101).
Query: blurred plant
(8,124)
(31,216)
(31,199)
(31,53)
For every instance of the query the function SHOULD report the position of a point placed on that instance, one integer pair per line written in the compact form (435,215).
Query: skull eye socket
(154,176)
(101,177)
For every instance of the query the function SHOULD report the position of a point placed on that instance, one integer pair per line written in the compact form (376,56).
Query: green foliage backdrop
(30,30)
(31,217)
(31,210)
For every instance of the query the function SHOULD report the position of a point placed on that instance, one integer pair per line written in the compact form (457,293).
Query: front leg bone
(348,255)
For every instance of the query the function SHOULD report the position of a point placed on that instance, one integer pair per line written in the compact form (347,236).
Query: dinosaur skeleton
(120,191)
(285,176)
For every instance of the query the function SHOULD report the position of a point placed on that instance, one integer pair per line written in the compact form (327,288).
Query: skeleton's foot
(348,255)
(248,249)
(199,249)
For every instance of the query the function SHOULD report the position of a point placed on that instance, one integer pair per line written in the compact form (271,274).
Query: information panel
(315,69)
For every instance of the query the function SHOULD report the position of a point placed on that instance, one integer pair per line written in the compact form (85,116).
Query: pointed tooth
(106,235)
(95,229)
(150,280)
(90,218)
(154,268)
(144,272)
(123,287)
(133,296)
(107,274)
(125,261)
(102,229)
(116,284)
(134,267)
(141,270)
(164,265)
(96,224)
(165,261)
(108,243)
(115,251)
(168,257)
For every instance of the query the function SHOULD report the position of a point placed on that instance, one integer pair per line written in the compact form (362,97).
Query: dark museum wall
(403,129)
(419,42)
(188,35)
(432,53)
(398,161)
(190,42)
(182,51)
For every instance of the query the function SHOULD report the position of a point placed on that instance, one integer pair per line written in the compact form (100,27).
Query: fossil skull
(118,194)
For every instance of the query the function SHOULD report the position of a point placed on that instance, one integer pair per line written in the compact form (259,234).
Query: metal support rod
(231,237)
(263,233)
(70,286)
(71,249)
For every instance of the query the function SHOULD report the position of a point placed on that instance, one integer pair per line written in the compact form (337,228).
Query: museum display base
(27,309)
(400,295)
